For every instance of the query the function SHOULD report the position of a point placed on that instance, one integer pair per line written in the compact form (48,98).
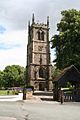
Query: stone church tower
(38,56)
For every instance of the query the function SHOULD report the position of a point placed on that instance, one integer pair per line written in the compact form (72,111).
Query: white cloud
(14,16)
(16,54)
(14,37)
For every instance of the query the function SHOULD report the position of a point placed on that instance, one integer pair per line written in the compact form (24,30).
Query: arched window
(41,73)
(42,35)
(38,35)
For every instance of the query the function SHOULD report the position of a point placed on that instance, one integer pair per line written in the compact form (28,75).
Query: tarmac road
(12,110)
(39,110)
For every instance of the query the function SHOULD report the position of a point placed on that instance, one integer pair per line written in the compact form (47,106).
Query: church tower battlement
(38,55)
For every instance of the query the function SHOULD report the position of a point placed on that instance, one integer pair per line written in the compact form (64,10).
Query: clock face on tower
(40,48)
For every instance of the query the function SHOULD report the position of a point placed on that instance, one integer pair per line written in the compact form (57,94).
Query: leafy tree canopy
(67,42)
(12,76)
(55,72)
(1,79)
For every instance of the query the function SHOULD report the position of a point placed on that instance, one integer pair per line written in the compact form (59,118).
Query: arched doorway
(42,86)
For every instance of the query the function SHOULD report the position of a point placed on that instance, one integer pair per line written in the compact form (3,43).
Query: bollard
(24,93)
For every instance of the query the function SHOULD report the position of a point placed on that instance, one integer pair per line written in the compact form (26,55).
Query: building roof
(69,74)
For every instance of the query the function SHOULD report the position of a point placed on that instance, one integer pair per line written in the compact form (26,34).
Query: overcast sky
(14,16)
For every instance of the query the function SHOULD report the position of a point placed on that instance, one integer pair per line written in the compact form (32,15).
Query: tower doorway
(41,86)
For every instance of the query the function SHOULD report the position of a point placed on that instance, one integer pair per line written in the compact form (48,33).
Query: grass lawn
(6,92)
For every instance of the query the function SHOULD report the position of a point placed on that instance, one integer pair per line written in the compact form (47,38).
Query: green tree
(1,79)
(20,81)
(67,42)
(13,76)
(10,76)
(55,72)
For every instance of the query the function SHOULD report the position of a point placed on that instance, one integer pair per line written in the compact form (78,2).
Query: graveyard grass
(7,92)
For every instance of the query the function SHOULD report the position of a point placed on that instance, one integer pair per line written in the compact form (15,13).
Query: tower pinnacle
(33,18)
(48,21)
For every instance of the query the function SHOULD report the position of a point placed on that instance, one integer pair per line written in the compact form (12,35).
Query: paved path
(14,108)
(7,118)
(47,111)
(39,110)
(11,97)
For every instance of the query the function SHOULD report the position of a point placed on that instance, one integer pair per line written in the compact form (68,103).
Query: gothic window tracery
(41,72)
(40,35)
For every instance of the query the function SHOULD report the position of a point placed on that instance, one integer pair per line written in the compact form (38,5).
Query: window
(41,73)
(40,59)
(38,35)
(42,35)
